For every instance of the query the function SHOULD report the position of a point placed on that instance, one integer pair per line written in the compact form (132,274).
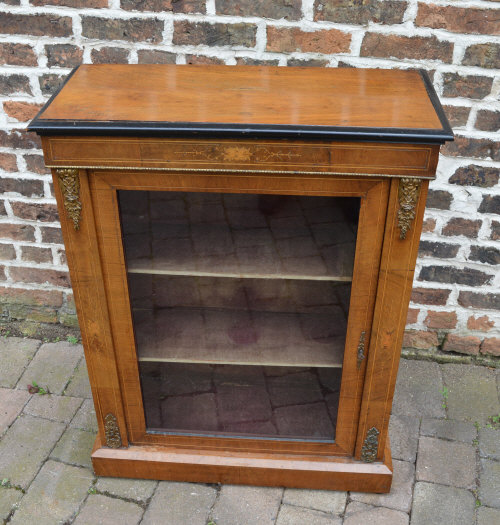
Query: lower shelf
(313,472)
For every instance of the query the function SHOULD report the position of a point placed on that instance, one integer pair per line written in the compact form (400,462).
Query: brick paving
(446,457)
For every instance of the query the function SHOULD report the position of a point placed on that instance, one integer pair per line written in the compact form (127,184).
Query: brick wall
(456,300)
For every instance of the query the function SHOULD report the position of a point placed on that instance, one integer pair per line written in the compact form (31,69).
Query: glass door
(239,306)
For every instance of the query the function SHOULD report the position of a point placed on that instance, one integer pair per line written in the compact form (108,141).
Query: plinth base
(312,472)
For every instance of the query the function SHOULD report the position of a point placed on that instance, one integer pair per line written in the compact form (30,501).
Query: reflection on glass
(240,307)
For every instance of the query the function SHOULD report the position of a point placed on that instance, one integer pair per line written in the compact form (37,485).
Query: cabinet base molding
(165,463)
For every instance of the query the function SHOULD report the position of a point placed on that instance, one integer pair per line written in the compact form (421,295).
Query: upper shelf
(249,101)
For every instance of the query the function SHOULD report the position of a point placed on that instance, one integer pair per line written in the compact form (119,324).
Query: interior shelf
(223,336)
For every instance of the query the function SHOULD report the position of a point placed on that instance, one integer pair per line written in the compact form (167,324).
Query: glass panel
(240,306)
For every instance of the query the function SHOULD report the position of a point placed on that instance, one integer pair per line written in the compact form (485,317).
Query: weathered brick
(485,254)
(17,232)
(440,320)
(20,139)
(8,162)
(462,344)
(189,6)
(36,254)
(50,82)
(417,48)
(458,19)
(483,55)
(110,55)
(467,147)
(155,56)
(474,175)
(428,225)
(17,54)
(51,235)
(491,346)
(469,86)
(14,84)
(247,61)
(458,226)
(34,211)
(420,339)
(457,115)
(495,231)
(290,39)
(35,164)
(450,274)
(479,300)
(431,296)
(490,204)
(360,12)
(7,252)
(63,55)
(146,5)
(289,9)
(483,323)
(3,211)
(412,316)
(301,62)
(37,275)
(439,199)
(36,25)
(488,120)
(200,59)
(26,187)
(72,3)
(131,29)
(193,33)
(437,249)
(21,111)
(3,276)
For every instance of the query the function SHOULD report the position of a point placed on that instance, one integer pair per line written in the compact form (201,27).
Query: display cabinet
(241,244)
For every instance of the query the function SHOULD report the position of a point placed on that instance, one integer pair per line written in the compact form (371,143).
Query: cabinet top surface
(265,101)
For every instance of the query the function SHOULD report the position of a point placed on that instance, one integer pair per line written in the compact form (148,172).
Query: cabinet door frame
(374,195)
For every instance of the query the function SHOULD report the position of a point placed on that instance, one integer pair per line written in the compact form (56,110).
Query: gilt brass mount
(370,446)
(112,432)
(70,188)
(409,190)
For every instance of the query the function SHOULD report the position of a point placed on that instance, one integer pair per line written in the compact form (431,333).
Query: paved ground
(446,457)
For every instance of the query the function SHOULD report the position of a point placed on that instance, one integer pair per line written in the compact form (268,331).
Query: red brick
(290,39)
(14,84)
(21,111)
(467,147)
(483,301)
(458,226)
(495,231)
(8,162)
(35,164)
(488,120)
(490,204)
(155,56)
(491,346)
(452,275)
(72,3)
(31,297)
(7,252)
(130,30)
(469,86)
(3,277)
(20,139)
(483,55)
(462,344)
(33,211)
(474,175)
(200,59)
(420,339)
(110,55)
(3,211)
(196,33)
(429,225)
(17,232)
(177,6)
(412,316)
(360,12)
(50,82)
(63,55)
(51,235)
(441,320)
(436,297)
(485,254)
(36,25)
(439,199)
(417,48)
(36,254)
(41,276)
(459,19)
(457,115)
(443,250)
(483,323)
(26,187)
(289,9)
(17,54)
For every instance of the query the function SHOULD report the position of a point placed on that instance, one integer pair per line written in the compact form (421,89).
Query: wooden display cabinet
(241,243)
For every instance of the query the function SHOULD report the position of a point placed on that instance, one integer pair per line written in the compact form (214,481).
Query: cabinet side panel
(79,233)
(393,296)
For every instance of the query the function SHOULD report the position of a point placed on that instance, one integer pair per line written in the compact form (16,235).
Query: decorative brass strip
(112,432)
(361,349)
(256,172)
(409,190)
(70,188)
(370,446)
